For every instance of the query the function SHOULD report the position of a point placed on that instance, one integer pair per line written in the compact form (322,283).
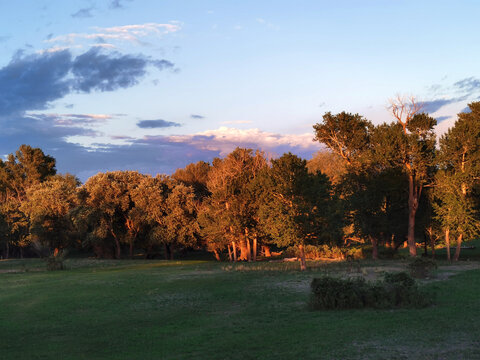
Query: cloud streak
(83,13)
(128,33)
(157,124)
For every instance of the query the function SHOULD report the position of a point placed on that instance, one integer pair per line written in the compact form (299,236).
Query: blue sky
(153,85)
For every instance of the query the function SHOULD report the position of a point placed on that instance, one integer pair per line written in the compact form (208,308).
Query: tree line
(381,184)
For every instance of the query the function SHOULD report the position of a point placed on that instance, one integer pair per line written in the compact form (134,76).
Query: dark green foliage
(56,261)
(399,278)
(334,293)
(324,251)
(344,133)
(397,290)
(421,267)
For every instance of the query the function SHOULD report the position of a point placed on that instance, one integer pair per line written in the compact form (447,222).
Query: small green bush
(55,261)
(333,293)
(315,252)
(421,268)
(396,290)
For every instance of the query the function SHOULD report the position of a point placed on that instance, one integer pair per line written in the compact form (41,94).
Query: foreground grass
(195,309)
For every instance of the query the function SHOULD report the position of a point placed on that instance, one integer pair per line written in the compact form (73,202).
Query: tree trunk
(131,249)
(172,251)
(425,251)
(243,250)
(374,248)
(447,242)
(21,252)
(165,250)
(266,250)
(234,251)
(255,248)
(249,249)
(229,253)
(217,256)
(432,245)
(303,263)
(459,245)
(8,251)
(412,209)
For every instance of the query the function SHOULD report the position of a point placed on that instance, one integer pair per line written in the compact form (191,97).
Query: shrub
(333,293)
(422,268)
(316,252)
(396,290)
(55,261)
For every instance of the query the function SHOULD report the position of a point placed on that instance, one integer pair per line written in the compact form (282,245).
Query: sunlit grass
(109,309)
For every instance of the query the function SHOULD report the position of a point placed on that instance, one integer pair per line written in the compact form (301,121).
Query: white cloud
(130,33)
(224,140)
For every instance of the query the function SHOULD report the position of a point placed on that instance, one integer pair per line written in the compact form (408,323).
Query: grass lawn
(206,310)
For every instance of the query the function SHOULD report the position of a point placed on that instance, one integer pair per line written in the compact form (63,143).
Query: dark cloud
(121,137)
(31,82)
(468,85)
(196,116)
(83,13)
(155,124)
(435,105)
(96,71)
(116,4)
(442,118)
(162,64)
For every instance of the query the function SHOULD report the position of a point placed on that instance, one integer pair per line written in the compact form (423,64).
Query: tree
(196,176)
(232,199)
(417,157)
(47,206)
(459,161)
(110,197)
(295,206)
(329,163)
(347,135)
(375,204)
(27,167)
(171,208)
(409,145)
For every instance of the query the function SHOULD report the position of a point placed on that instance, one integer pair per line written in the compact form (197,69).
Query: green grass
(206,310)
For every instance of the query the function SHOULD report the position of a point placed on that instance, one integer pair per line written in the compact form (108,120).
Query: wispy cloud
(196,116)
(432,106)
(267,24)
(468,85)
(83,13)
(130,33)
(157,124)
(116,4)
(461,91)
(81,120)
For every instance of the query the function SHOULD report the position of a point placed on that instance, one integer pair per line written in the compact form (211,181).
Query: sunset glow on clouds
(155,85)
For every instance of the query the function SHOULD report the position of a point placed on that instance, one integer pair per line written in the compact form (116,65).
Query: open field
(199,309)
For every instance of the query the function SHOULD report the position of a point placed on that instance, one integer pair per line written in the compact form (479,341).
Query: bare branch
(404,108)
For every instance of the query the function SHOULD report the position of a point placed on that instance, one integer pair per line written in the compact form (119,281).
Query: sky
(153,85)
